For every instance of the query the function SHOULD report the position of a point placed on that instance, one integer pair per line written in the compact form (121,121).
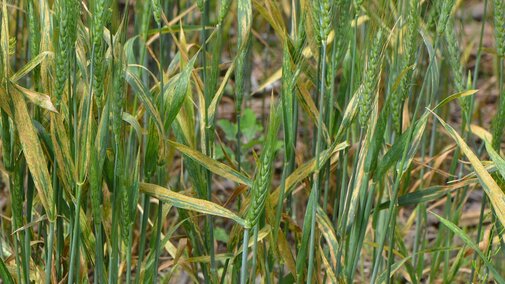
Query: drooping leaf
(176,99)
(42,100)
(189,203)
(491,188)
(212,165)
(34,62)
(468,241)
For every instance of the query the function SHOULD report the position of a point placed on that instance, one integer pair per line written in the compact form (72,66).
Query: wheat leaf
(189,203)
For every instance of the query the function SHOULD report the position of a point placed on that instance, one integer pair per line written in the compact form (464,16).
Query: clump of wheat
(370,80)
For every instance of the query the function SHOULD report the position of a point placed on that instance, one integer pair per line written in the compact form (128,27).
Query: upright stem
(160,203)
(49,256)
(207,94)
(245,244)
(317,179)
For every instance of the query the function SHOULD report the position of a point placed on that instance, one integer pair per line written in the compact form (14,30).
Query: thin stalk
(49,253)
(317,178)
(74,247)
(157,241)
(27,249)
(207,96)
(255,253)
(160,203)
(143,233)
(243,270)
(99,254)
(49,256)
(129,250)
(113,258)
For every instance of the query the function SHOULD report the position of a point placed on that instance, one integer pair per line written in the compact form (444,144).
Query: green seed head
(119,95)
(224,7)
(445,12)
(409,52)
(370,81)
(499,26)
(453,54)
(200,4)
(157,10)
(33,24)
(261,183)
(321,14)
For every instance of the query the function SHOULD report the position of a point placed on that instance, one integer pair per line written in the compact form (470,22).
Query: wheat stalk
(261,185)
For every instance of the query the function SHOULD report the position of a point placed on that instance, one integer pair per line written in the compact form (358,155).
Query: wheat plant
(252,141)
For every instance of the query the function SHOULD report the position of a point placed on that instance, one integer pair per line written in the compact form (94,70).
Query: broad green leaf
(250,124)
(229,129)
(189,203)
